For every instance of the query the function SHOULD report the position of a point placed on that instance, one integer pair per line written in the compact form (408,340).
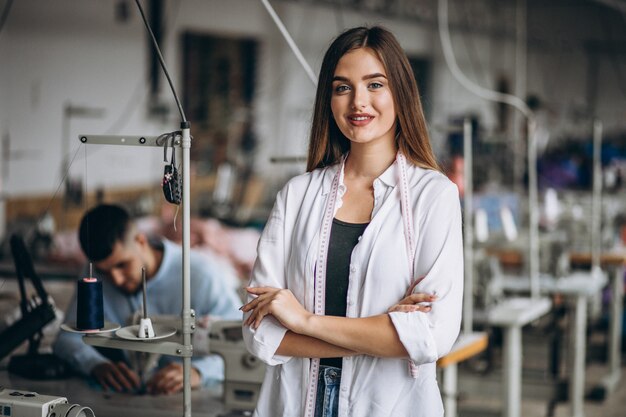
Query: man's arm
(88,361)
(71,348)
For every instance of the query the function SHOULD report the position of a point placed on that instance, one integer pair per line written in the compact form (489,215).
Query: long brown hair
(327,144)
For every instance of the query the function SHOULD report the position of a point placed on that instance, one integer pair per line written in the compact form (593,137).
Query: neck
(369,160)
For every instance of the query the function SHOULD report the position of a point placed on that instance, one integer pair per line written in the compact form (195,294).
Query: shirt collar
(167,247)
(329,175)
(389,177)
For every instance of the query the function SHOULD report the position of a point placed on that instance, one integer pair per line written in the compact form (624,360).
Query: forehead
(120,253)
(361,61)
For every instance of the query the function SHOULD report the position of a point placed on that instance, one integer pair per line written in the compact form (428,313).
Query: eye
(341,88)
(121,265)
(375,85)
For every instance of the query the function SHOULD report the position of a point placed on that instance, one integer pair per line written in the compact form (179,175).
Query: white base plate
(108,327)
(131,332)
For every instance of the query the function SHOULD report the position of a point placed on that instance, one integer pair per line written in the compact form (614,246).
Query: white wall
(73,51)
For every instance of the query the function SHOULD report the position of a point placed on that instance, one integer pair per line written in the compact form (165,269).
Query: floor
(613,406)
(480,386)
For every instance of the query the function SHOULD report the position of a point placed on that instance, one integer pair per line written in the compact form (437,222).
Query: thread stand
(184,349)
(145,324)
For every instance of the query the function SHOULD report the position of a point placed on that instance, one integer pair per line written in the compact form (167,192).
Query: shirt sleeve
(269,271)
(71,348)
(439,259)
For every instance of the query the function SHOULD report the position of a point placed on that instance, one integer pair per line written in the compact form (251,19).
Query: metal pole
(521,69)
(468,227)
(450,378)
(512,389)
(533,212)
(290,41)
(186,313)
(615,329)
(596,207)
(578,333)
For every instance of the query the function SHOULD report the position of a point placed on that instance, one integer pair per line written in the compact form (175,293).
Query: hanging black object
(172,183)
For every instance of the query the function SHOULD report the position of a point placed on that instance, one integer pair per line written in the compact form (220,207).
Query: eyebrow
(365,77)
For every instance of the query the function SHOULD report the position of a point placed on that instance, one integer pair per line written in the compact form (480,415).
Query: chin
(131,291)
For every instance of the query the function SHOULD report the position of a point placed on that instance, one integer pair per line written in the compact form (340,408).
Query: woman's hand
(278,302)
(414,302)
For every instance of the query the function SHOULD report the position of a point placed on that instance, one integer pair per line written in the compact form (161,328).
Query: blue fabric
(211,294)
(327,398)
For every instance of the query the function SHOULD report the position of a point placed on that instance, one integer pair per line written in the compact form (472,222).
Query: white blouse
(379,277)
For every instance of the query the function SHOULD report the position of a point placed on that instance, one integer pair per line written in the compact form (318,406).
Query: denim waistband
(331,375)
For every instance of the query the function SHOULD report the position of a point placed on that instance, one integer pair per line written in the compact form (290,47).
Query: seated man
(118,252)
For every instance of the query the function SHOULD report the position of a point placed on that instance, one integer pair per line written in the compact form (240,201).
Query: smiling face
(362,102)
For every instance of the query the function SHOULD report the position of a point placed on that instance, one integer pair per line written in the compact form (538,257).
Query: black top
(343,238)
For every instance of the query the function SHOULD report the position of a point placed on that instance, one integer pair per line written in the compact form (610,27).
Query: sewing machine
(244,372)
(30,404)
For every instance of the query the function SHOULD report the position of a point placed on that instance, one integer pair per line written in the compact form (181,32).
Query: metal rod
(468,208)
(521,76)
(161,61)
(290,42)
(143,282)
(186,313)
(533,211)
(154,346)
(123,140)
(596,200)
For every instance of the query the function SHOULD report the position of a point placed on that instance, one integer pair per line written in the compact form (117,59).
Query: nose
(117,277)
(359,98)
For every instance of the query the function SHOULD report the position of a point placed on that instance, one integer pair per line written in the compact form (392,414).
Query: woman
(347,240)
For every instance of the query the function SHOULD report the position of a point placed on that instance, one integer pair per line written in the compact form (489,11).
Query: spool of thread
(89,305)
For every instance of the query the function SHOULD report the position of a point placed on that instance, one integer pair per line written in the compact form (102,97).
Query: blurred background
(73,67)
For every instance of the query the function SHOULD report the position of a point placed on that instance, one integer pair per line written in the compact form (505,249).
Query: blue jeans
(327,399)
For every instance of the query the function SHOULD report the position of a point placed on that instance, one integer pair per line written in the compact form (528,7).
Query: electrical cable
(470,45)
(65,175)
(5,14)
(162,62)
(139,92)
(519,104)
(290,42)
(485,93)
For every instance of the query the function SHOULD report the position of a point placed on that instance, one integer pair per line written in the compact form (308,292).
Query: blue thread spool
(89,305)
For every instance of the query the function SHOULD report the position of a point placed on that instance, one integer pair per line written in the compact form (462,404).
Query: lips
(360,119)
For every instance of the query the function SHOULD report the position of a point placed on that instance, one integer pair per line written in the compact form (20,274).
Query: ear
(141,239)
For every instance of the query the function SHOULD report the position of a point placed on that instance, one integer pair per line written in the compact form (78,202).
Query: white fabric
(379,278)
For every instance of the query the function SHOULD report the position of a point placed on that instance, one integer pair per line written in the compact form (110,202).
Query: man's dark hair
(100,228)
